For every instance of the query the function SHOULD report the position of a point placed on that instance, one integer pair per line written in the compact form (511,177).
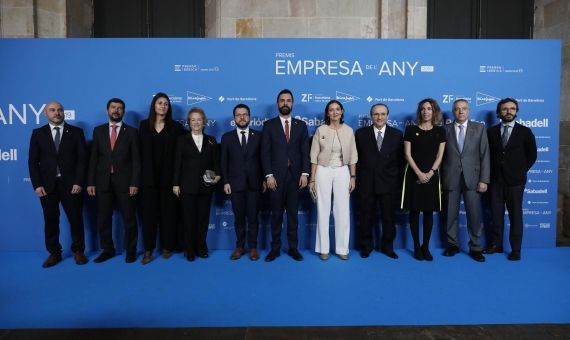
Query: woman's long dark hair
(152,112)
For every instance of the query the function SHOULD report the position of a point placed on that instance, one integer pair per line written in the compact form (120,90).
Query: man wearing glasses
(513,153)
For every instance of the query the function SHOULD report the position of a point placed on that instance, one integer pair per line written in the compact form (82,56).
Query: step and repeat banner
(217,74)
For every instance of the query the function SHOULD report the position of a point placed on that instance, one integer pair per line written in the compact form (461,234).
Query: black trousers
(368,209)
(127,207)
(196,216)
(159,211)
(73,207)
(512,197)
(246,204)
(286,197)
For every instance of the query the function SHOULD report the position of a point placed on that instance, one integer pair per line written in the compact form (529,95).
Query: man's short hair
(284,91)
(115,100)
(379,104)
(241,106)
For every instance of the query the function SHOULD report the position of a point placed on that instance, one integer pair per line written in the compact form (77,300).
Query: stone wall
(316,19)
(46,18)
(552,21)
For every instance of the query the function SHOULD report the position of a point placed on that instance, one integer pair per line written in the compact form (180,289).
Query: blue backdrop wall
(216,74)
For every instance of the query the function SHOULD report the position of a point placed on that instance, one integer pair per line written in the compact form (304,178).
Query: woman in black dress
(158,135)
(423,148)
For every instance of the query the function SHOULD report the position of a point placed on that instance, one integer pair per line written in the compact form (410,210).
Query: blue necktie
(461,137)
(57,138)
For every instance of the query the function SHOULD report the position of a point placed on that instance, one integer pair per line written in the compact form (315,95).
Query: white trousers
(333,182)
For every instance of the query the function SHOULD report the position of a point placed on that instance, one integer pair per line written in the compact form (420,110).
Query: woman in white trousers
(333,167)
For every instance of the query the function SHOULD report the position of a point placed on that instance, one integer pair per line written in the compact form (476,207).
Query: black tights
(415,227)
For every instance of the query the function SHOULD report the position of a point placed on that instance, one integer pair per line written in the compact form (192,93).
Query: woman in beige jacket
(333,166)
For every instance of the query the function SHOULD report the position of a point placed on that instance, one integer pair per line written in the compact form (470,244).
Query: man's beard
(242,126)
(285,110)
(115,119)
(508,118)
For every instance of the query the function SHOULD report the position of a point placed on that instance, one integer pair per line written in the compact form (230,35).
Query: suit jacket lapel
(49,136)
(193,144)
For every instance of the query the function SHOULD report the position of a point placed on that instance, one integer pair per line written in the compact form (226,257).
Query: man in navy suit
(114,175)
(56,162)
(241,171)
(513,153)
(285,164)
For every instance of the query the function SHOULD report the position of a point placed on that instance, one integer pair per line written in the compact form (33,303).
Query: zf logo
(448,98)
(306,97)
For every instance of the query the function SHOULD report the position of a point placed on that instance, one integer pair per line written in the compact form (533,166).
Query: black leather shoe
(294,253)
(203,255)
(131,257)
(418,254)
(52,260)
(493,248)
(190,258)
(364,253)
(104,256)
(273,254)
(451,250)
(477,256)
(390,253)
(427,254)
(514,256)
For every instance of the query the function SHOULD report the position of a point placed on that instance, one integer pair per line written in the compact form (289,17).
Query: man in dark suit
(241,171)
(114,175)
(513,153)
(285,164)
(465,171)
(378,175)
(56,162)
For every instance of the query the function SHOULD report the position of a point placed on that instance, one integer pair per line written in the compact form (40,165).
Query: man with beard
(241,171)
(513,152)
(286,166)
(57,168)
(114,175)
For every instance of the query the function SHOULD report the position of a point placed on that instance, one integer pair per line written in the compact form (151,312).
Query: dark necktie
(287,131)
(505,136)
(461,137)
(243,141)
(57,138)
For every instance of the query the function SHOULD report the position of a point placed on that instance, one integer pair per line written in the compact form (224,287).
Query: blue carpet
(217,292)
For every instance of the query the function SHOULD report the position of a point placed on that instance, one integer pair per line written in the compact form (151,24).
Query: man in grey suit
(466,170)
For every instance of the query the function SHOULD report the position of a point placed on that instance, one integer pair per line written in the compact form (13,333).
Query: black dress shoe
(364,254)
(477,256)
(427,254)
(203,255)
(131,257)
(493,248)
(390,253)
(294,253)
(451,250)
(418,254)
(52,260)
(190,258)
(273,254)
(104,256)
(514,256)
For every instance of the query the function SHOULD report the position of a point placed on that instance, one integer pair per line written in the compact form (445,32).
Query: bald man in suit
(57,161)
(465,172)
